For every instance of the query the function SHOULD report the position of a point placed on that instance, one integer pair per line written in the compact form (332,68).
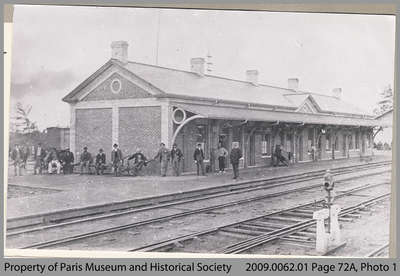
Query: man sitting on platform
(86,160)
(67,161)
(54,163)
(100,162)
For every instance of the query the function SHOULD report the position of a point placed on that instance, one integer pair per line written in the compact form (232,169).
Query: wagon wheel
(130,171)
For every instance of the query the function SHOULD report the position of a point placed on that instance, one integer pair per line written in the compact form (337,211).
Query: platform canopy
(262,115)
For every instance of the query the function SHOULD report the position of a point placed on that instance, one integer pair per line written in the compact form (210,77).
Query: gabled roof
(334,105)
(386,113)
(188,84)
(70,97)
(179,83)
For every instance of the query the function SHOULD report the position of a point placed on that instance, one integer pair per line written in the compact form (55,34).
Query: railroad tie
(269,224)
(354,216)
(297,214)
(257,227)
(242,231)
(294,220)
(294,244)
(346,219)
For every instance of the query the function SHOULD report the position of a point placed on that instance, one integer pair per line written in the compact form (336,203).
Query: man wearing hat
(176,156)
(116,159)
(164,155)
(68,161)
(16,156)
(100,164)
(86,160)
(39,156)
(235,156)
(198,157)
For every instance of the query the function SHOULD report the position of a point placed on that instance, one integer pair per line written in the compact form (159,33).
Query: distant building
(386,122)
(140,105)
(57,137)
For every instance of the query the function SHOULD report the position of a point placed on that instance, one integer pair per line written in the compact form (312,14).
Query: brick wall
(53,138)
(140,127)
(93,129)
(128,90)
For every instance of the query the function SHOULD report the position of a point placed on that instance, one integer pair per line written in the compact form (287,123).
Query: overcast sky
(56,48)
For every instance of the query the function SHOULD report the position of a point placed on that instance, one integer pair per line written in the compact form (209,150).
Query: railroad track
(378,251)
(293,225)
(31,224)
(75,238)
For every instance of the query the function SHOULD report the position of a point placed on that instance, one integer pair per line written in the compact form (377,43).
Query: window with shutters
(266,145)
(357,140)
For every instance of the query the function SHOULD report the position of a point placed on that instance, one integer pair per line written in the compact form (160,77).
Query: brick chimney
(337,93)
(198,65)
(119,51)
(252,76)
(293,84)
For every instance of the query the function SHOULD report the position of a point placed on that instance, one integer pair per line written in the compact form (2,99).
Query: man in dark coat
(176,157)
(86,160)
(235,156)
(17,157)
(25,155)
(116,159)
(279,157)
(164,155)
(198,157)
(39,156)
(68,161)
(100,164)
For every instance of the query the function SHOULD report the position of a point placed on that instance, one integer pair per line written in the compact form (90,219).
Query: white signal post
(329,240)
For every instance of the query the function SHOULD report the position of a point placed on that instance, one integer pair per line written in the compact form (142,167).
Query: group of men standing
(176,155)
(49,159)
(19,155)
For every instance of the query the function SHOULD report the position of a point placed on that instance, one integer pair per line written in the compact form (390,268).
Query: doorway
(252,151)
(300,147)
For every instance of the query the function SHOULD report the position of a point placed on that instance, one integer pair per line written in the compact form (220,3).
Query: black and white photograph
(199,131)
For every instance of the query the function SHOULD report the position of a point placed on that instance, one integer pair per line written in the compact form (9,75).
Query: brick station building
(140,105)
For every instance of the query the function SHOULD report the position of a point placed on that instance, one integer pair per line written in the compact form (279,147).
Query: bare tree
(386,101)
(21,122)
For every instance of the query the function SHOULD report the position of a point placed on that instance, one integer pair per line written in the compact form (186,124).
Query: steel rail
(164,218)
(192,194)
(165,243)
(236,190)
(268,237)
(376,252)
